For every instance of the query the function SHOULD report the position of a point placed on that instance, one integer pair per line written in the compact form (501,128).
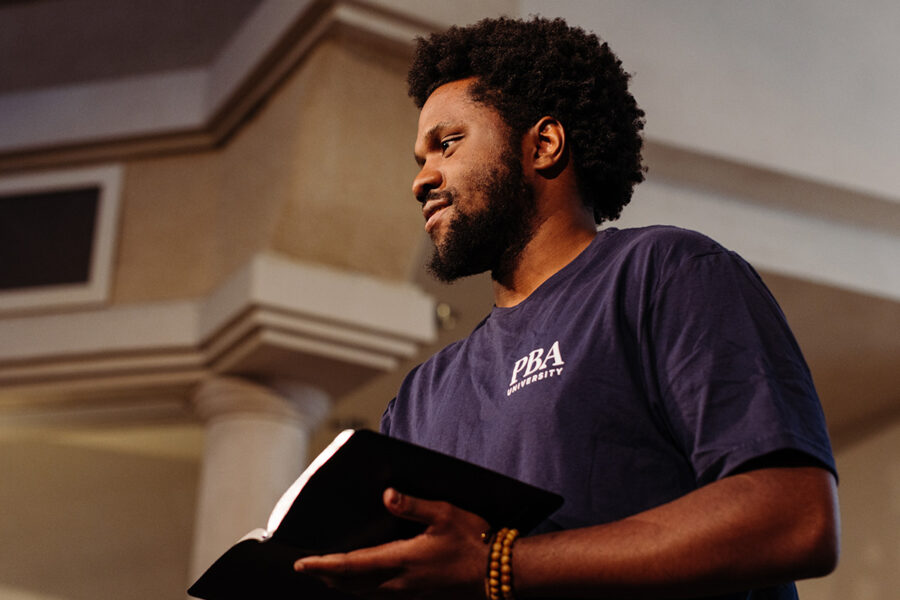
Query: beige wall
(870,511)
(351,204)
(315,175)
(84,518)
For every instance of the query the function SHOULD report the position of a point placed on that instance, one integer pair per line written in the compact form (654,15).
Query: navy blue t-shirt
(652,364)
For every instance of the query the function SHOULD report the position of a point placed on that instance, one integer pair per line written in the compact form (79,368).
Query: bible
(336,506)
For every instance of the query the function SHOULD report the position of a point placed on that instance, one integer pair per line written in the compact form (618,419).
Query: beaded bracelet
(498,584)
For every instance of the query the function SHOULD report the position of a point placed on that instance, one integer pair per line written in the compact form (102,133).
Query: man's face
(479,209)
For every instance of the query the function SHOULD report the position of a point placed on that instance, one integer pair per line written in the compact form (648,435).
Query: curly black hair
(543,67)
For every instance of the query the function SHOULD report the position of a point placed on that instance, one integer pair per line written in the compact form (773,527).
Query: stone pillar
(257,439)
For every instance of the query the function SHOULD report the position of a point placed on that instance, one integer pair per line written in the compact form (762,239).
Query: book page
(259,534)
(287,499)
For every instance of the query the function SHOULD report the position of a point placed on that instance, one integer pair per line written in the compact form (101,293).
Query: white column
(256,445)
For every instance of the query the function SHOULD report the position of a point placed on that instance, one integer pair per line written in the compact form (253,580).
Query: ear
(549,139)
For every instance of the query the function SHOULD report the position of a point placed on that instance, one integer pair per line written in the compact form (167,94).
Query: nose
(428,179)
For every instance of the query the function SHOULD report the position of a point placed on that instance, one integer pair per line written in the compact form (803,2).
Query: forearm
(742,532)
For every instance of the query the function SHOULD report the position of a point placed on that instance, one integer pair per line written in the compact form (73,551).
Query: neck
(558,239)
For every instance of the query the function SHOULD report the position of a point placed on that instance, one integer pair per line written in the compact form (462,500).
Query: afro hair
(543,67)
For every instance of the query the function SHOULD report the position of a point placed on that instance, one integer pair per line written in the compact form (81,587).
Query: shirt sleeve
(385,426)
(728,374)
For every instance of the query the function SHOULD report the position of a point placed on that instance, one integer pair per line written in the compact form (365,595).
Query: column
(257,438)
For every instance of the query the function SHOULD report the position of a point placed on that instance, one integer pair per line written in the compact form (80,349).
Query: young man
(646,375)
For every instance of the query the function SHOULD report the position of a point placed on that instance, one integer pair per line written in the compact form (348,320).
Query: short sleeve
(385,426)
(726,370)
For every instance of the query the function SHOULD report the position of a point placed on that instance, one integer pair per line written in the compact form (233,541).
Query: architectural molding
(780,222)
(273,320)
(781,240)
(755,184)
(191,109)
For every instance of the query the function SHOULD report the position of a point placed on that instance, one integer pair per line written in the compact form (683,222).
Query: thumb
(414,509)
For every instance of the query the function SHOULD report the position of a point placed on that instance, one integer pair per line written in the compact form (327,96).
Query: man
(646,375)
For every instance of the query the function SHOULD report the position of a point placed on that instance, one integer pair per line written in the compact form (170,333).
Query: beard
(491,237)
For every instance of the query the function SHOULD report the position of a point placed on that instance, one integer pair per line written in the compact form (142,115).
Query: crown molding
(274,319)
(187,110)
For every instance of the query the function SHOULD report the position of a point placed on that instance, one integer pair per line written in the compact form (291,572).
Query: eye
(447,142)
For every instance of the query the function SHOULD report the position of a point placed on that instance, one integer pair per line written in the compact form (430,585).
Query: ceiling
(112,38)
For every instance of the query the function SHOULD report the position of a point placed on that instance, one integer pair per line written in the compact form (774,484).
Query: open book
(336,506)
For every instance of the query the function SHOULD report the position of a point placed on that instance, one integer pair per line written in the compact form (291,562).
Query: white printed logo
(535,366)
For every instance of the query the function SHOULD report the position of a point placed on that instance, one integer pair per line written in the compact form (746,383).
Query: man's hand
(741,532)
(448,560)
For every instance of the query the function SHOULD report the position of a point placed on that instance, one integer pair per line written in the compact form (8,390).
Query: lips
(431,211)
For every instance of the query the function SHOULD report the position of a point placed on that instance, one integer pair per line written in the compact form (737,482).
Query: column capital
(224,395)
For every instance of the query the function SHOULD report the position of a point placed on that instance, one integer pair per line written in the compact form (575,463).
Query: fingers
(449,554)
(357,572)
(342,572)
(385,556)
(316,565)
(376,559)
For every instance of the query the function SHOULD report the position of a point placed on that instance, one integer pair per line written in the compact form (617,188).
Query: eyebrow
(430,136)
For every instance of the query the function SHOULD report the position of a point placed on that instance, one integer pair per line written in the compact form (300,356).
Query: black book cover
(336,506)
